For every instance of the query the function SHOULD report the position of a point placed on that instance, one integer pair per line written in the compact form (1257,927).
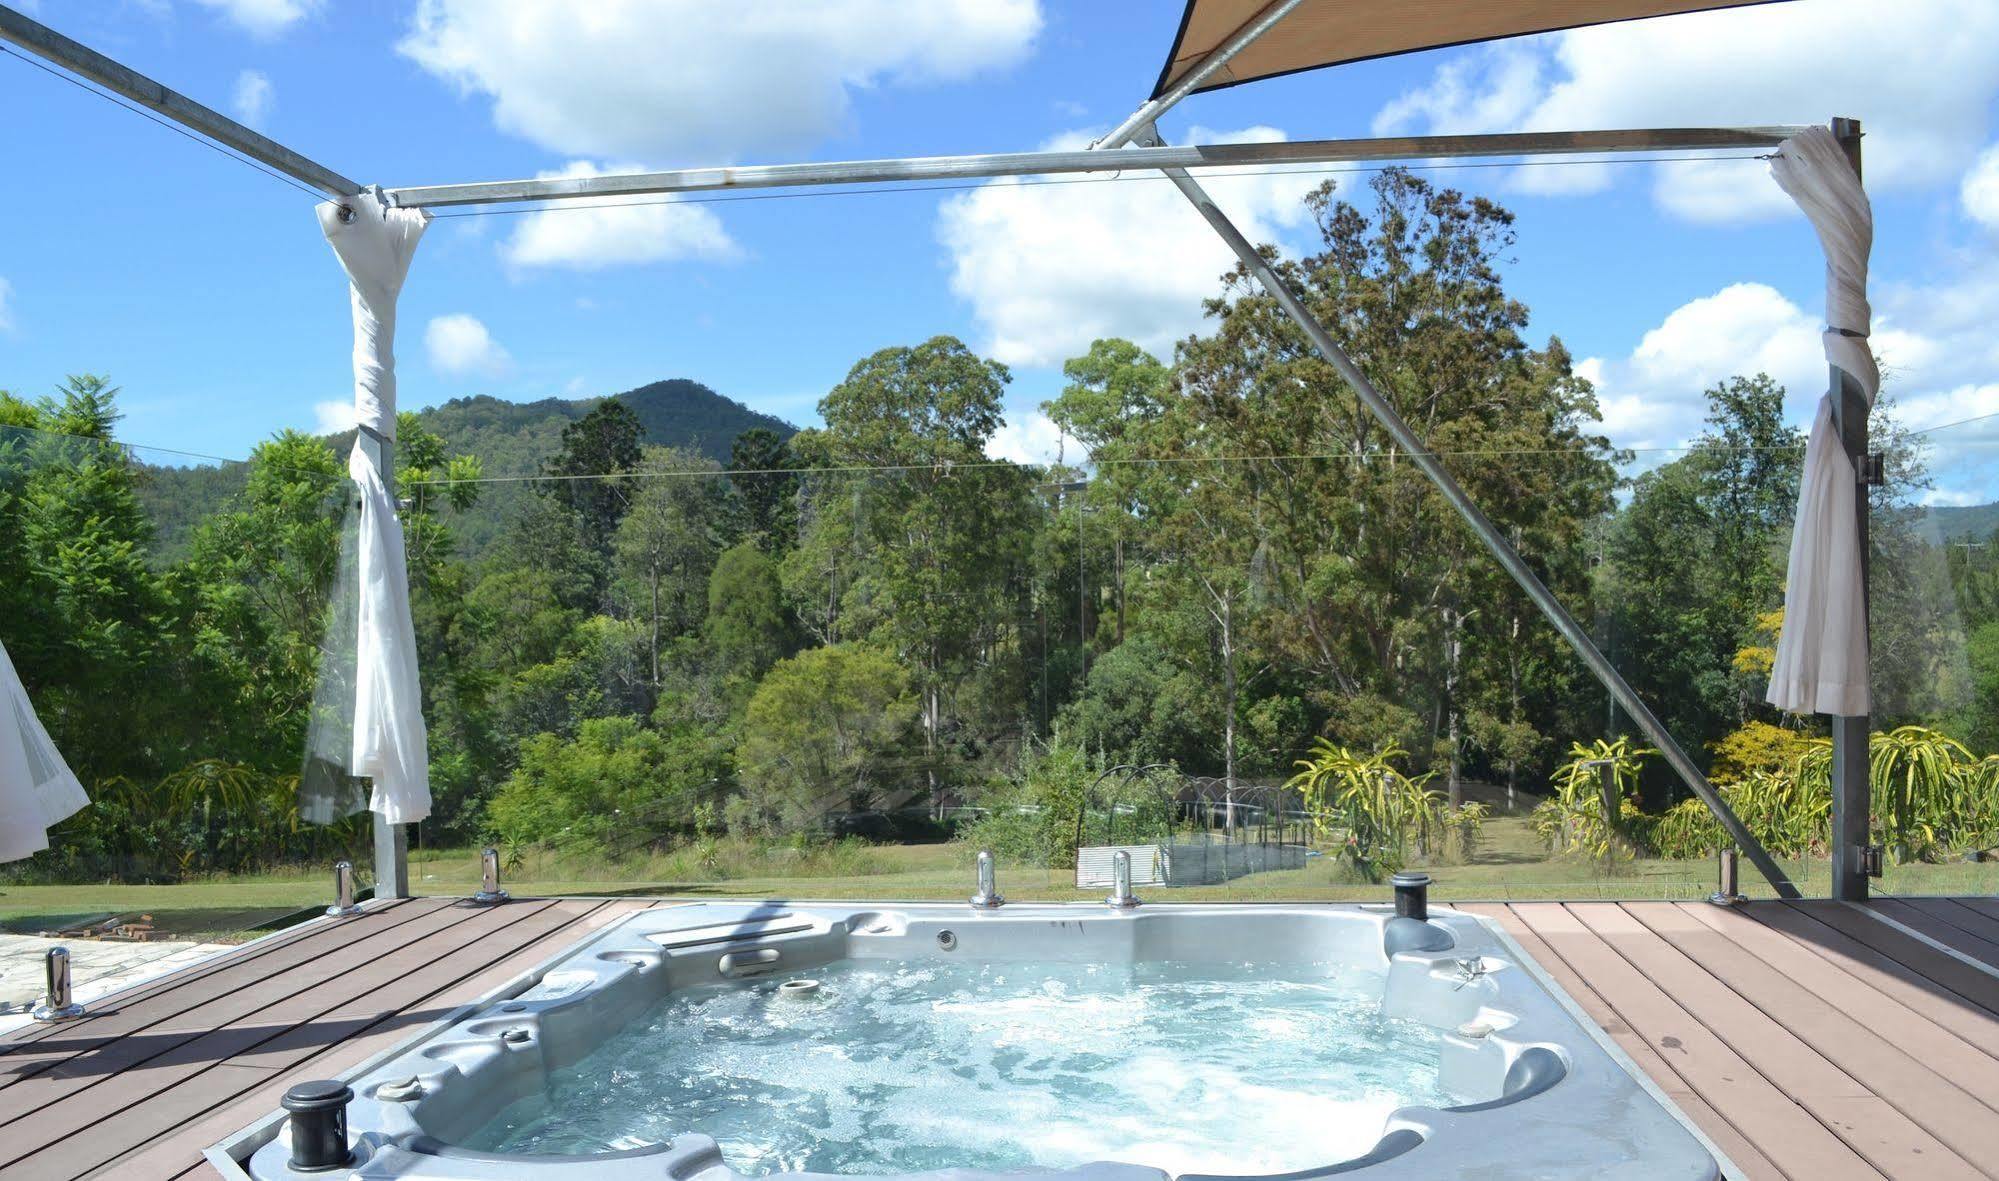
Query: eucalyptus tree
(920,538)
(674,526)
(1375,591)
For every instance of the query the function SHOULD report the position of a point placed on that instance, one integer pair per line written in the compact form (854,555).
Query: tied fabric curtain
(1821,663)
(37,788)
(374,243)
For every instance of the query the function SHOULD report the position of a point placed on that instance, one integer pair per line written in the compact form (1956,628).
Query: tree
(603,443)
(748,627)
(92,629)
(760,463)
(1140,706)
(261,575)
(926,551)
(819,734)
(668,539)
(1697,557)
(615,788)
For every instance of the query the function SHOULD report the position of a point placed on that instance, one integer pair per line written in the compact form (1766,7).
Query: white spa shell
(1547,1101)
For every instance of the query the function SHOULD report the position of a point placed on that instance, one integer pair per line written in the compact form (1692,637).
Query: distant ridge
(510,438)
(1974,522)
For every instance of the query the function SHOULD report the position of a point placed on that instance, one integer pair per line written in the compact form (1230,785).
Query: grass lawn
(1510,864)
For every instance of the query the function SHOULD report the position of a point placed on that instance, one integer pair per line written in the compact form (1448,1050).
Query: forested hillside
(510,439)
(654,645)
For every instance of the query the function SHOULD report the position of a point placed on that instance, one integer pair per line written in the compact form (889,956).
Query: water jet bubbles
(1101,1062)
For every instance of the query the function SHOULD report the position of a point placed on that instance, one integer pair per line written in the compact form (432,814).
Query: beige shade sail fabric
(1329,32)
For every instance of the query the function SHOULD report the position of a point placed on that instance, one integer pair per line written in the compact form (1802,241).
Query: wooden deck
(1809,1040)
(147,1080)
(1813,1041)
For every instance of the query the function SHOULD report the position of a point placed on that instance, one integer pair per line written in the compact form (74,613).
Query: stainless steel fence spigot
(343,891)
(489,879)
(988,897)
(1121,896)
(57,1003)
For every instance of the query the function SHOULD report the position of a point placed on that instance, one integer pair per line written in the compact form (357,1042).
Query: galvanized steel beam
(87,63)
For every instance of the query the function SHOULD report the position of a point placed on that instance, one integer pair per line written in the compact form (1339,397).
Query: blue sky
(204,289)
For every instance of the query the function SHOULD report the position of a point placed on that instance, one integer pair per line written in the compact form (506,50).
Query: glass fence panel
(1933,583)
(1258,678)
(164,614)
(823,667)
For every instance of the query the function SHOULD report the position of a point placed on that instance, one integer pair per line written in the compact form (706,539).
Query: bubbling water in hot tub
(891,1066)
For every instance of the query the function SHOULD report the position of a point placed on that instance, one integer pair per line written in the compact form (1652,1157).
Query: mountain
(1958,523)
(510,439)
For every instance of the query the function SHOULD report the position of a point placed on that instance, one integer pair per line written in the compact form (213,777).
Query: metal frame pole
(85,62)
(1851,781)
(1148,112)
(392,850)
(1481,525)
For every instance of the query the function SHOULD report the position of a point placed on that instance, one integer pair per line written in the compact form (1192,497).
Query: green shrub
(615,788)
(1032,818)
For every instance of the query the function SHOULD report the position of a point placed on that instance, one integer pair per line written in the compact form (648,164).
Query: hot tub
(710,1042)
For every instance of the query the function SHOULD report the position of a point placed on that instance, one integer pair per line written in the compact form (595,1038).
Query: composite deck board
(256,1092)
(147,1102)
(1796,1142)
(1809,1041)
(147,1019)
(1968,981)
(1943,918)
(84,1088)
(1887,975)
(137,1094)
(1958,1118)
(1718,1128)
(1813,1022)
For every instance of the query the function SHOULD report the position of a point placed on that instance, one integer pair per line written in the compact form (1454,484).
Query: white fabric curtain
(375,243)
(37,788)
(1821,664)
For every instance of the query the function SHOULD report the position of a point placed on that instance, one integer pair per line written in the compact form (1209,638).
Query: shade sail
(1329,32)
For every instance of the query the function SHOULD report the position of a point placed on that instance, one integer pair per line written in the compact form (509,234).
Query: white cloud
(1032,437)
(253,97)
(1920,76)
(6,306)
(460,346)
(1939,361)
(693,79)
(1653,397)
(590,233)
(1049,268)
(332,416)
(1980,188)
(264,18)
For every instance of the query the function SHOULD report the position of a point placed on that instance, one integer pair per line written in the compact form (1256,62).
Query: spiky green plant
(1574,822)
(1369,805)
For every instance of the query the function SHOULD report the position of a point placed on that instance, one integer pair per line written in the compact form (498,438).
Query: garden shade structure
(1219,43)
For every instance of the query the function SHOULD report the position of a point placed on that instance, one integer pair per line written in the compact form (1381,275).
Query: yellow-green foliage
(1369,805)
(1573,821)
(1932,798)
(1757,746)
